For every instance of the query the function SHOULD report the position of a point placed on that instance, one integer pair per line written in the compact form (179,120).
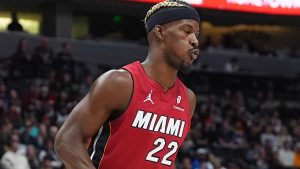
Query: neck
(158,70)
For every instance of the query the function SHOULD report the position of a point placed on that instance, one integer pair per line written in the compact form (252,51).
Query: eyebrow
(187,25)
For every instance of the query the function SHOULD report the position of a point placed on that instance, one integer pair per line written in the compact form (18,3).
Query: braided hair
(166,4)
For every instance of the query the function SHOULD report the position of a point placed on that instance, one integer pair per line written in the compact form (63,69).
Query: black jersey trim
(98,144)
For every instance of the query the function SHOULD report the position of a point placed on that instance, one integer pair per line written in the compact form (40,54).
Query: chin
(185,68)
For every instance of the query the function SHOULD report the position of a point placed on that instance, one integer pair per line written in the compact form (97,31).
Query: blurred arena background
(247,78)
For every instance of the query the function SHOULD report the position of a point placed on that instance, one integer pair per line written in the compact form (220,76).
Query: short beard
(185,69)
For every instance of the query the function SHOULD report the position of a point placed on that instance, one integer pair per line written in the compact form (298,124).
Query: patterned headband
(168,11)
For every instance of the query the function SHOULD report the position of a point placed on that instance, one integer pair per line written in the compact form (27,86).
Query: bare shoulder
(116,85)
(114,77)
(192,101)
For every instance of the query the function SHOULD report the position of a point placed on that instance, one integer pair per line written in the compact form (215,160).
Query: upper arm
(192,101)
(111,91)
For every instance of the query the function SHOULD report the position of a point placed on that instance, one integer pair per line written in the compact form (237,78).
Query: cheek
(178,45)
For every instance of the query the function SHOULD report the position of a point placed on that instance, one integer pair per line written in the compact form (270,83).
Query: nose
(194,41)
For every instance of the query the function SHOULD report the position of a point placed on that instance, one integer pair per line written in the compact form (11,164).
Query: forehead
(184,23)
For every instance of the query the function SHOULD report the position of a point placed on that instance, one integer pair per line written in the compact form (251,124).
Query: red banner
(276,7)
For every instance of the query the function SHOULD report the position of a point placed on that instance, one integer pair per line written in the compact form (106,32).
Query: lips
(194,54)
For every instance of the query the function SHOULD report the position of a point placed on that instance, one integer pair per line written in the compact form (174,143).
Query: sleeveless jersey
(148,134)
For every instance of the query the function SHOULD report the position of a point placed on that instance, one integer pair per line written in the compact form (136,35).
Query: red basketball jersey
(149,133)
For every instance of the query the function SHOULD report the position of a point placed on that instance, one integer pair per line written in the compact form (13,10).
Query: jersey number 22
(160,143)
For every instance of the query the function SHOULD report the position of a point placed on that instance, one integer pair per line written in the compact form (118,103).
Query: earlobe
(159,31)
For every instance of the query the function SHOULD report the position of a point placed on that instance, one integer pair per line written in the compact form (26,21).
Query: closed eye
(188,31)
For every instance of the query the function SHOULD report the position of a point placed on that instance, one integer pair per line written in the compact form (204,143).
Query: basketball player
(138,116)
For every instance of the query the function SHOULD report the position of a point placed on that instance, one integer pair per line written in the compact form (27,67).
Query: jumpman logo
(148,98)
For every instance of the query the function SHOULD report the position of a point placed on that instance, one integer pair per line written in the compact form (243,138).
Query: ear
(159,31)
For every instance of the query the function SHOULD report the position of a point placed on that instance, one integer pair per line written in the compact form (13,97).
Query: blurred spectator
(226,138)
(271,102)
(42,57)
(14,114)
(233,165)
(248,42)
(201,160)
(254,152)
(47,163)
(268,137)
(29,96)
(21,60)
(252,41)
(186,163)
(86,84)
(42,137)
(32,157)
(52,132)
(50,154)
(28,133)
(63,62)
(14,25)
(283,136)
(232,65)
(11,158)
(286,155)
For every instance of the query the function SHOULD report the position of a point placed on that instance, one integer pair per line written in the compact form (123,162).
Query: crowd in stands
(238,123)
(37,91)
(250,42)
(244,122)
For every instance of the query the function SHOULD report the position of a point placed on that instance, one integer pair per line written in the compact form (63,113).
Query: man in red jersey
(138,116)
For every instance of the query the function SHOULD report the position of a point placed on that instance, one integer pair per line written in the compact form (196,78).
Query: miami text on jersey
(153,122)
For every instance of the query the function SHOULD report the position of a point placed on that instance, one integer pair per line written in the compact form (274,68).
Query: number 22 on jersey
(160,144)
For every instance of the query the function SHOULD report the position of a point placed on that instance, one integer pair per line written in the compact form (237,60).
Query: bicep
(83,121)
